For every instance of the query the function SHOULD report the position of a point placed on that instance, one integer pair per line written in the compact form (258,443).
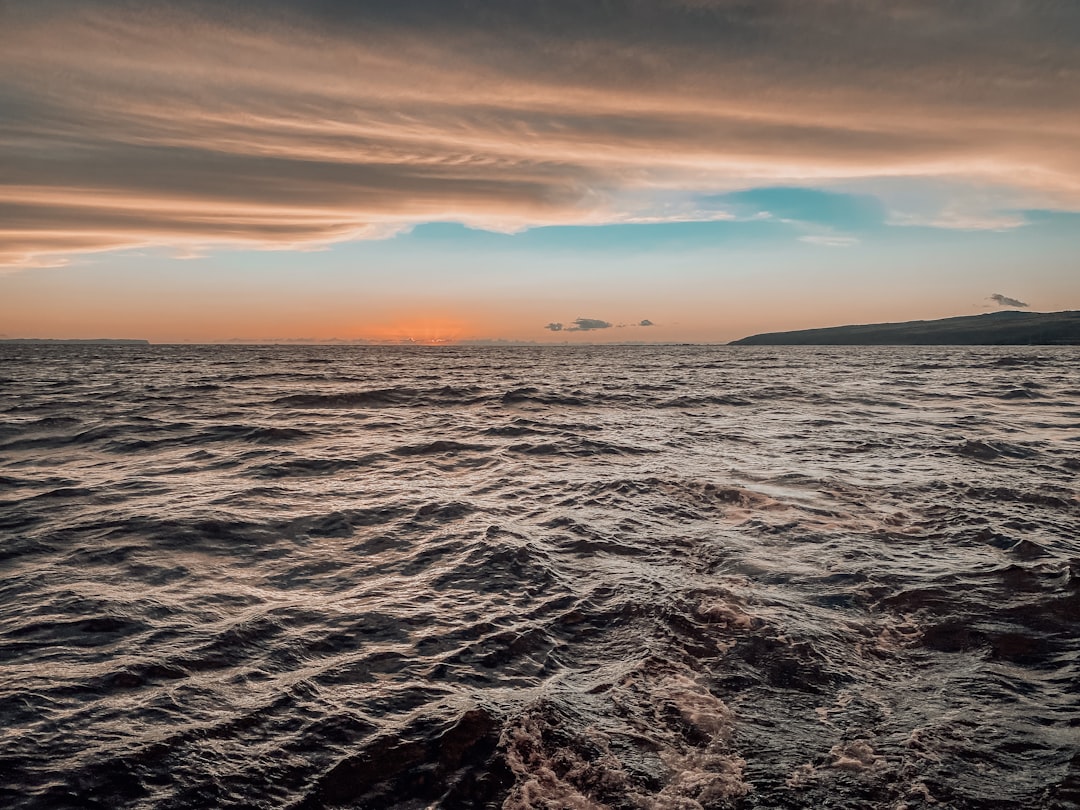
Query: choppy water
(642,577)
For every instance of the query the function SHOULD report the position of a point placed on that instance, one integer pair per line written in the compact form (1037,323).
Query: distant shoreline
(1005,328)
(88,342)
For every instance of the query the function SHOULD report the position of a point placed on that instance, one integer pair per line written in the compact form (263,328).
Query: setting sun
(422,330)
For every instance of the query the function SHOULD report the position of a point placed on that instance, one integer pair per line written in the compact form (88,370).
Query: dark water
(629,577)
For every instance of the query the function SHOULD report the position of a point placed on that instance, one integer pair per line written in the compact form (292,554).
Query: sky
(533,170)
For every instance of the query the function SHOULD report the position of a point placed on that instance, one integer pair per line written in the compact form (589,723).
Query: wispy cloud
(285,124)
(826,240)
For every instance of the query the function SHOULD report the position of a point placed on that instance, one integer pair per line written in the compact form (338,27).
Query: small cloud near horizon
(1006,301)
(580,325)
(645,322)
(588,325)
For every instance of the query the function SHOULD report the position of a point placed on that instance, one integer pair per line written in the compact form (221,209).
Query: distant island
(1006,328)
(88,342)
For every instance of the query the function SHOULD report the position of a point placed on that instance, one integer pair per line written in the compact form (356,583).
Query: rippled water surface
(580,577)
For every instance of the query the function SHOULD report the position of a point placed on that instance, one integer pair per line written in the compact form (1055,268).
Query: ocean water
(539,577)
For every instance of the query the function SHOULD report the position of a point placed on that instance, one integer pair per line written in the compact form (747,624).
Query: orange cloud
(277,126)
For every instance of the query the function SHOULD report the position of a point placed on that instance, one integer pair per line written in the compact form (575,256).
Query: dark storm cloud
(288,123)
(1005,301)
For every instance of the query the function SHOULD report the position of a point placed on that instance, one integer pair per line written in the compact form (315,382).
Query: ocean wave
(670,577)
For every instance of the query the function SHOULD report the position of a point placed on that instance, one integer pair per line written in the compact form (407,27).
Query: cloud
(588,325)
(645,322)
(580,325)
(828,240)
(1005,301)
(285,124)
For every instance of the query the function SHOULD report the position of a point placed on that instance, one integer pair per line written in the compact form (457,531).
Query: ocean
(539,577)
